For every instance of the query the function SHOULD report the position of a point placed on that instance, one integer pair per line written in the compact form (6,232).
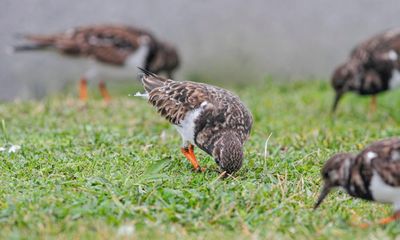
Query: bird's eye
(326,175)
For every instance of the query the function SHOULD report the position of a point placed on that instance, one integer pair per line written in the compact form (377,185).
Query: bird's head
(172,56)
(228,152)
(167,58)
(335,173)
(344,79)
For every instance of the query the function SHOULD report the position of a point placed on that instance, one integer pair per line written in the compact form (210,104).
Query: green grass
(83,172)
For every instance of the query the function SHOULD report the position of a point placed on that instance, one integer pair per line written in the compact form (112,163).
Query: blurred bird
(373,174)
(121,46)
(213,119)
(373,67)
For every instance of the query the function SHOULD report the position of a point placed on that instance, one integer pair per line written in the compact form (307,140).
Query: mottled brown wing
(107,43)
(374,52)
(175,99)
(110,44)
(387,159)
(385,57)
(362,51)
(389,172)
(109,55)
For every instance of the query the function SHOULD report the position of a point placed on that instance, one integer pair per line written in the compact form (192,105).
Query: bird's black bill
(336,101)
(325,190)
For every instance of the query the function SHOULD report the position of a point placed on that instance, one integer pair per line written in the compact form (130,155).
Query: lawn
(103,172)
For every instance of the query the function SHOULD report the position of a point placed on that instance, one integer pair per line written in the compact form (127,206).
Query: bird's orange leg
(189,154)
(396,216)
(373,103)
(83,95)
(384,221)
(104,92)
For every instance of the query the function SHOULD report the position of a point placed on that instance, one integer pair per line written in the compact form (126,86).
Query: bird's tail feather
(150,80)
(147,72)
(39,39)
(29,47)
(37,42)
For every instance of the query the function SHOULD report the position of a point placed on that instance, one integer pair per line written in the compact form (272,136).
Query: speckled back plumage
(107,43)
(373,174)
(173,99)
(222,111)
(373,67)
(385,160)
(376,45)
(111,44)
(372,63)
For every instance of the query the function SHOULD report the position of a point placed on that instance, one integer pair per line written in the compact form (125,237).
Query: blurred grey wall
(223,40)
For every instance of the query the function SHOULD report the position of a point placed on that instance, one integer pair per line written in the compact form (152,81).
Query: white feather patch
(393,55)
(187,126)
(383,192)
(143,95)
(371,155)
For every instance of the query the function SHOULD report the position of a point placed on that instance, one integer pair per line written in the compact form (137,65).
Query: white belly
(187,126)
(394,81)
(382,192)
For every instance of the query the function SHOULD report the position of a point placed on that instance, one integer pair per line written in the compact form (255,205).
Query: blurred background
(221,41)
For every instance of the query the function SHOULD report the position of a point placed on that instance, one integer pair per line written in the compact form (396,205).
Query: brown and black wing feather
(372,58)
(386,162)
(222,112)
(173,99)
(374,52)
(107,43)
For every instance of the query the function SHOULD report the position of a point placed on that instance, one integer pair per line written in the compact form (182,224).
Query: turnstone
(373,67)
(373,174)
(122,46)
(209,117)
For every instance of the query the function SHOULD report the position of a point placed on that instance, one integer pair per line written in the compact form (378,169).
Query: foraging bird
(121,46)
(373,174)
(211,118)
(373,67)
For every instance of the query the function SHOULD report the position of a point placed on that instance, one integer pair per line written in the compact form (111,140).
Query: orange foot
(396,216)
(104,92)
(83,95)
(189,154)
